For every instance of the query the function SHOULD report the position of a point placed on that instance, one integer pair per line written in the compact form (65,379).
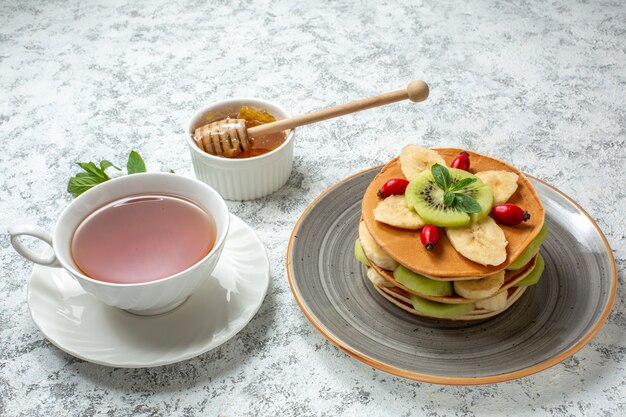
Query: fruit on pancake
(359,254)
(535,274)
(483,242)
(415,159)
(530,251)
(394,211)
(520,262)
(377,280)
(394,186)
(503,184)
(372,251)
(510,214)
(479,289)
(448,197)
(495,303)
(429,236)
(420,284)
(461,162)
(438,310)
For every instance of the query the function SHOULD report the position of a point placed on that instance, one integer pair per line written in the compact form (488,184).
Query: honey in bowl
(209,138)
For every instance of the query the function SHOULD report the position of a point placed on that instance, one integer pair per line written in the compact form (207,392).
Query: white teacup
(153,297)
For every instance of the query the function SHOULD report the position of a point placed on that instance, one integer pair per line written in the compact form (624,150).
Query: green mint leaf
(466,203)
(83,181)
(462,184)
(92,169)
(448,198)
(171,171)
(84,174)
(104,164)
(135,164)
(442,176)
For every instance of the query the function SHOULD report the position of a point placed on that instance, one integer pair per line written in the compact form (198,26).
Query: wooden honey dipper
(230,137)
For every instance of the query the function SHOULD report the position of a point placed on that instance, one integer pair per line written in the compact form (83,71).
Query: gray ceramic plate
(552,320)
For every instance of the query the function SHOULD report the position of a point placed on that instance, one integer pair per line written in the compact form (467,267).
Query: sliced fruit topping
(495,303)
(535,274)
(483,242)
(415,159)
(525,257)
(510,214)
(461,162)
(394,211)
(394,186)
(438,310)
(373,251)
(530,251)
(420,284)
(503,184)
(447,197)
(376,279)
(429,236)
(479,289)
(359,254)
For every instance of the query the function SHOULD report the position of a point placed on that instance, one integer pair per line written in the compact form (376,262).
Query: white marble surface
(539,84)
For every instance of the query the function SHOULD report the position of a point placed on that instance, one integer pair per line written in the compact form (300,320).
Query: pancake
(510,279)
(444,262)
(401,299)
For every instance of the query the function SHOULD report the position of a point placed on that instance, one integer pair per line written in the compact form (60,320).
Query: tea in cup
(143,242)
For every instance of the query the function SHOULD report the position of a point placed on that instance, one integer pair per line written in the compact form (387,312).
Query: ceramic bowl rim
(76,273)
(232,161)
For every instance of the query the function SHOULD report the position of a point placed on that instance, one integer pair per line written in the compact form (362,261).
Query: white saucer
(82,326)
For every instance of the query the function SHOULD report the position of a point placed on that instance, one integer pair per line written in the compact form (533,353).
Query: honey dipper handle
(416,91)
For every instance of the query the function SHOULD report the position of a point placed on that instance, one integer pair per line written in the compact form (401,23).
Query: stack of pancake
(470,274)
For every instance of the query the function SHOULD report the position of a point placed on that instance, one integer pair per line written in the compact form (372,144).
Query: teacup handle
(36,232)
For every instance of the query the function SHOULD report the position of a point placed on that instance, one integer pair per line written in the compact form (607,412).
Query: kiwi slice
(420,284)
(438,310)
(530,251)
(425,197)
(359,254)
(535,274)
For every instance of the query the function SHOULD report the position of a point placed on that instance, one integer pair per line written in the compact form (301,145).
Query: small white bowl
(246,178)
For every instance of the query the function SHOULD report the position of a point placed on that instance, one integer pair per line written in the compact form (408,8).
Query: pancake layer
(445,262)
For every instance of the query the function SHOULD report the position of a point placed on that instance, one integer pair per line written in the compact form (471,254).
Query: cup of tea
(141,242)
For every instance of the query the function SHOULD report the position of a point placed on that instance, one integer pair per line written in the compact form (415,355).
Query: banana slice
(394,211)
(415,159)
(495,303)
(503,184)
(378,280)
(479,289)
(373,251)
(482,242)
